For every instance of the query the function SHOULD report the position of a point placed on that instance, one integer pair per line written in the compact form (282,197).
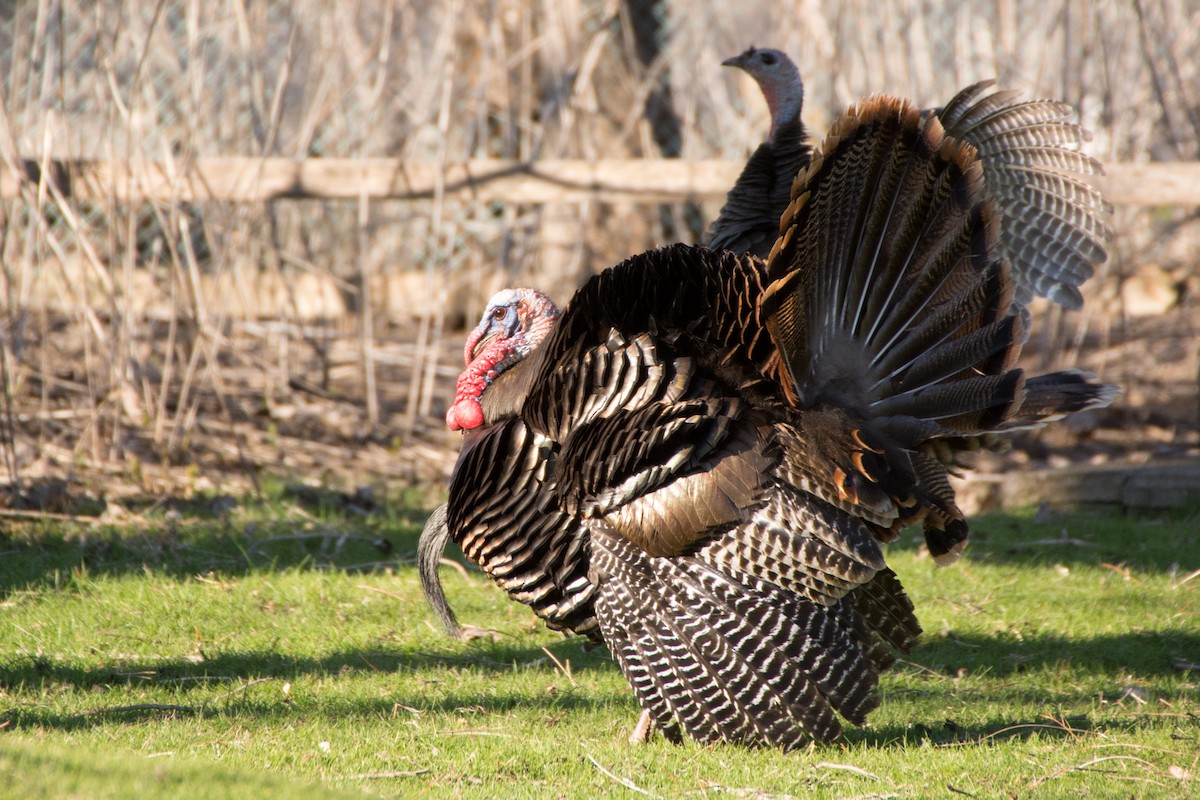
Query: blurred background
(158,339)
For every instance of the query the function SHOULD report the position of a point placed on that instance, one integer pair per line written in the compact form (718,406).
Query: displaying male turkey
(699,458)
(1052,220)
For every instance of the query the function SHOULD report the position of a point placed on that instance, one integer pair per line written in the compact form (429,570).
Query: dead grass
(173,346)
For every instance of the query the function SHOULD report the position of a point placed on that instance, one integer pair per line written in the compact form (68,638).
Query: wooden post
(564,180)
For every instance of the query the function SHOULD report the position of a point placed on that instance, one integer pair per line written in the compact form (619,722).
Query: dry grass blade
(8,442)
(848,768)
(1193,574)
(565,670)
(243,687)
(626,782)
(378,776)
(142,708)
(17,513)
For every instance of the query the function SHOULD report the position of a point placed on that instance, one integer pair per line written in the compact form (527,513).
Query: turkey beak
(471,347)
(734,61)
(483,342)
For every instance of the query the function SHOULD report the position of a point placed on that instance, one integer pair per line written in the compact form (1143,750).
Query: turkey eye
(768,59)
(500,312)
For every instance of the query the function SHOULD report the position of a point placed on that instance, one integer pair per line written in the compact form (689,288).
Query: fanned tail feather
(1054,395)
(1052,217)
(891,293)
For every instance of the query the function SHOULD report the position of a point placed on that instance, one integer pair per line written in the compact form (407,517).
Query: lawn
(281,647)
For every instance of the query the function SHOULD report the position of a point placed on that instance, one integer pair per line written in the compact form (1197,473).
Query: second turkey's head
(779,79)
(514,324)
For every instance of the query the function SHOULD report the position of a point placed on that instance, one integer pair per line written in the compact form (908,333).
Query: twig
(243,687)
(1084,767)
(298,537)
(628,784)
(922,668)
(1121,570)
(1194,573)
(393,595)
(375,776)
(8,442)
(141,707)
(366,566)
(849,768)
(564,670)
(1065,541)
(17,512)
(1102,759)
(457,567)
(1014,728)
(1062,725)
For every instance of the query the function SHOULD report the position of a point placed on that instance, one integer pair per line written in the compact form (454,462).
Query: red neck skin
(466,413)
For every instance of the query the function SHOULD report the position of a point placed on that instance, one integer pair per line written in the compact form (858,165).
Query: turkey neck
(784,103)
(506,394)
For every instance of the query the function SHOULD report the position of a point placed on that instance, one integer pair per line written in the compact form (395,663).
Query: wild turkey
(699,458)
(1052,220)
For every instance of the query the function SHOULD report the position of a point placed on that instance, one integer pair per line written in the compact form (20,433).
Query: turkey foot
(643,730)
(469,633)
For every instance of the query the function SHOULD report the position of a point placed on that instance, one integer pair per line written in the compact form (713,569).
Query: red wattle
(466,414)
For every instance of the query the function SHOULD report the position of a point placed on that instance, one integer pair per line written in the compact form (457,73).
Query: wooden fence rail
(548,181)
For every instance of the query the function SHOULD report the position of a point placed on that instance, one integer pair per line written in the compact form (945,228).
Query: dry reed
(165,332)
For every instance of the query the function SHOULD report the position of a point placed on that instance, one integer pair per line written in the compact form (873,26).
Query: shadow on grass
(995,730)
(1140,653)
(235,668)
(48,556)
(1148,542)
(238,671)
(1132,656)
(209,539)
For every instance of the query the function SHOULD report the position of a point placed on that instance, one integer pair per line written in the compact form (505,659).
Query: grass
(280,648)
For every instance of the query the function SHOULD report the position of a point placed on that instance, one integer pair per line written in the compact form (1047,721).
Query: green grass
(281,649)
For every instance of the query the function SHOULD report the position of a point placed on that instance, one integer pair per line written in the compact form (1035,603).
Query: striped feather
(1053,221)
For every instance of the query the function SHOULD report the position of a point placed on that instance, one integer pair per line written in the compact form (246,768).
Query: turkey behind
(749,220)
(699,459)
(1052,219)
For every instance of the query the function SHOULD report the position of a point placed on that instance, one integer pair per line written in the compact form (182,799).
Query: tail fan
(890,297)
(1052,217)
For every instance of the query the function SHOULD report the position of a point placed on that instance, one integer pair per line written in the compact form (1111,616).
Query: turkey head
(513,325)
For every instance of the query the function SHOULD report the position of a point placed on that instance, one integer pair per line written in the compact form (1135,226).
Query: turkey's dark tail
(728,660)
(888,291)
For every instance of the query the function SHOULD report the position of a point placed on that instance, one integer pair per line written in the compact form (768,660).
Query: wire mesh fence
(131,328)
